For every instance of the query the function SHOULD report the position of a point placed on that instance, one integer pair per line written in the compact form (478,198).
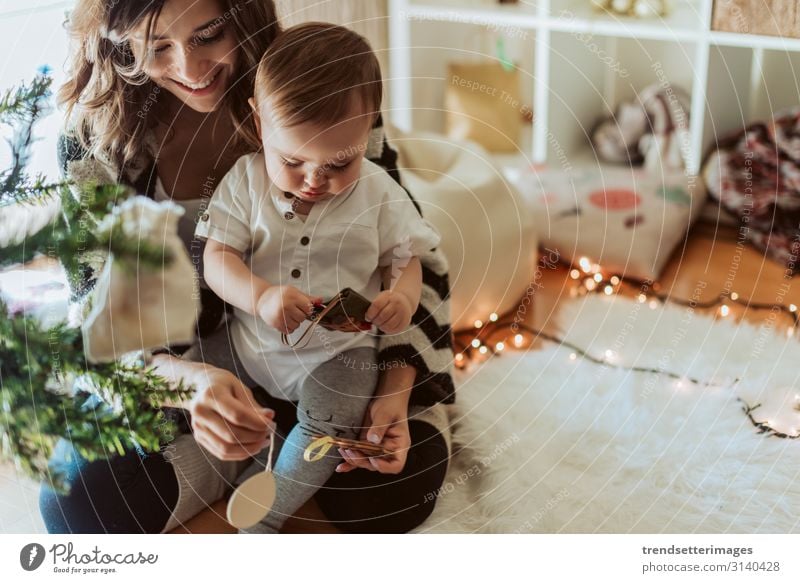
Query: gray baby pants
(333,399)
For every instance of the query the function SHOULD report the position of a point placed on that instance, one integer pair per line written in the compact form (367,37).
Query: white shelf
(570,85)
(576,16)
(683,23)
(500,16)
(754,41)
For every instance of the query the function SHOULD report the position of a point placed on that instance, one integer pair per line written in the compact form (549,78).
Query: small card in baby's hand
(345,312)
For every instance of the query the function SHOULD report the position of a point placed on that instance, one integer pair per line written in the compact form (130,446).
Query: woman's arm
(428,348)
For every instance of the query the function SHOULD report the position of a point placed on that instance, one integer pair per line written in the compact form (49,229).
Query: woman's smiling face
(192,52)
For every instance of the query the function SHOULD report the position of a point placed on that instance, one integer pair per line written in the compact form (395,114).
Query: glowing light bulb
(483,350)
(573,356)
(478,323)
(608,290)
(499,346)
(610,355)
(614,280)
(653,304)
(476,343)
(724,311)
(493,317)
(518,340)
(585,265)
(642,298)
(792,308)
(590,284)
(459,357)
(574,274)
(734,296)
(598,277)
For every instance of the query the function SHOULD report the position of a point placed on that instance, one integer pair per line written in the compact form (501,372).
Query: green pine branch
(21,108)
(48,389)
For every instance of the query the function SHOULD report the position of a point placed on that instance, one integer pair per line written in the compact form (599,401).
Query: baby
(296,224)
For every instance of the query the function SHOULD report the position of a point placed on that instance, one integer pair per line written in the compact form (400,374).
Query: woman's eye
(210,36)
(159,50)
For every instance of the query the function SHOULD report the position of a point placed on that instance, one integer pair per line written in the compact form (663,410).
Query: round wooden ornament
(253,499)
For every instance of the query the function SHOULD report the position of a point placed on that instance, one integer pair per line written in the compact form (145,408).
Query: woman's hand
(386,423)
(226,419)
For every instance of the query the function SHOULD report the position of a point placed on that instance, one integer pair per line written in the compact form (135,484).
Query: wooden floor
(711,262)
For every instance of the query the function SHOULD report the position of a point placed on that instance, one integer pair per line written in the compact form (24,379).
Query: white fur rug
(552,445)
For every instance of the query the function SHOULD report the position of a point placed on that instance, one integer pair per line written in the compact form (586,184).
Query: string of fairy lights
(495,334)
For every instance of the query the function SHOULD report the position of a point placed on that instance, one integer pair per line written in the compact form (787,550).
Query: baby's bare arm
(228,276)
(408,282)
(394,307)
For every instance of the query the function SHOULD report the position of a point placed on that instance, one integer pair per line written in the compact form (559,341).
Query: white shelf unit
(732,79)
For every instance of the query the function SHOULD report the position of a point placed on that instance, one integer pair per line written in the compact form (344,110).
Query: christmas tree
(46,380)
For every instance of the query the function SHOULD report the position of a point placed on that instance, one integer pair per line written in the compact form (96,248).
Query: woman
(157,95)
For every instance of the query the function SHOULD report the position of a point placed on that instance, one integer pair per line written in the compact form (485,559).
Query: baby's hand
(284,307)
(391,312)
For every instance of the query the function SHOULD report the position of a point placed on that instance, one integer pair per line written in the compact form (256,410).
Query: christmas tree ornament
(134,310)
(252,500)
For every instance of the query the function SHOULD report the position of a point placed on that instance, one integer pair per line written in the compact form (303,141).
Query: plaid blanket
(755,175)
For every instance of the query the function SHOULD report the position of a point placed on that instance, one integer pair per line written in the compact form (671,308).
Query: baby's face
(314,163)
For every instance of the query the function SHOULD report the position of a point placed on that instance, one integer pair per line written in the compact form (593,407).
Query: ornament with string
(253,499)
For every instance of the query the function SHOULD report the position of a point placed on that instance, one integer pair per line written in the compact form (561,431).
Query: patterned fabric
(755,175)
(426,345)
(627,220)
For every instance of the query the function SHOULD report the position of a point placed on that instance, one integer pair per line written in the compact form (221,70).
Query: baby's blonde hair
(312,72)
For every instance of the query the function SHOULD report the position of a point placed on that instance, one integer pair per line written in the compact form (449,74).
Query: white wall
(33,36)
(367,17)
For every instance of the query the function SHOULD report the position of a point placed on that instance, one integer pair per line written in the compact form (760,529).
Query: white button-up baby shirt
(343,242)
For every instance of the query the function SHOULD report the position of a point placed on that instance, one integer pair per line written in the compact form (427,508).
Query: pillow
(626,220)
(487,237)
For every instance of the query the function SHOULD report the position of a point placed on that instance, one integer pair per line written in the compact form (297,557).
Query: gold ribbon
(322,444)
(317,449)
